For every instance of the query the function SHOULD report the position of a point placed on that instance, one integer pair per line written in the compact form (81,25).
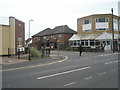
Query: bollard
(29,54)
(18,53)
(43,50)
(8,52)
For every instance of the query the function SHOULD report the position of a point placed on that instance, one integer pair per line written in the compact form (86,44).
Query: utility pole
(29,41)
(113,45)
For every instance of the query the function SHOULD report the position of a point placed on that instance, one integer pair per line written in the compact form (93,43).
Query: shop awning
(103,36)
(89,36)
(107,36)
(75,37)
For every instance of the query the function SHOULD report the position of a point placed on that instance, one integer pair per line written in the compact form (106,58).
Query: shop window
(91,42)
(82,42)
(74,43)
(86,42)
(77,43)
(97,42)
(108,42)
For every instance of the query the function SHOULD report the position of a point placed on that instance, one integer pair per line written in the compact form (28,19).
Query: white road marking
(69,84)
(101,73)
(56,69)
(111,62)
(107,54)
(88,78)
(48,76)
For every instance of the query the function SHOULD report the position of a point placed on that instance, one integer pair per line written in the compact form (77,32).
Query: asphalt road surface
(91,70)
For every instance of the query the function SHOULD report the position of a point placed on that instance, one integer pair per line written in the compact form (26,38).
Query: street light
(113,32)
(29,38)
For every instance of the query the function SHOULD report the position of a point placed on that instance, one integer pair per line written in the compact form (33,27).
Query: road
(91,70)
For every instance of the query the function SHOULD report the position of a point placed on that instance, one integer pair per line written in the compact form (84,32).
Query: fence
(13,52)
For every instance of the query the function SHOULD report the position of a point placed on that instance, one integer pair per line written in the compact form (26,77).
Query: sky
(52,13)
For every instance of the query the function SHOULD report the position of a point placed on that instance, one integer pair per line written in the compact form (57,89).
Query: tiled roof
(64,29)
(42,32)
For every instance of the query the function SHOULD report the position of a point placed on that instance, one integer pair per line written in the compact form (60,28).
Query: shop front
(94,42)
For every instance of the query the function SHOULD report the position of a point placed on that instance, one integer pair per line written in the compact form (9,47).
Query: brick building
(57,36)
(12,36)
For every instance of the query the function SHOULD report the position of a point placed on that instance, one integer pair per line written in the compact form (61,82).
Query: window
(44,37)
(86,21)
(74,43)
(119,24)
(97,42)
(115,22)
(86,42)
(101,19)
(87,26)
(108,42)
(59,35)
(102,29)
(91,42)
(52,36)
(82,42)
(102,24)
(77,43)
(19,40)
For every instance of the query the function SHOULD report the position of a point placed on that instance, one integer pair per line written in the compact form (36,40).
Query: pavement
(14,60)
(11,60)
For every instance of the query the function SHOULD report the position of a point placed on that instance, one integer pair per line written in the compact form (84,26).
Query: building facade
(91,28)
(57,37)
(12,36)
(119,8)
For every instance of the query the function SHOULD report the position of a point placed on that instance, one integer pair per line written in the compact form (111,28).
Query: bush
(34,52)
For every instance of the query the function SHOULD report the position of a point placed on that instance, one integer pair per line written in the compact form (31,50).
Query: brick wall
(19,32)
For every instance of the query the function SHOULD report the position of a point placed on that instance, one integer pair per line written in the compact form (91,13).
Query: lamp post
(118,35)
(29,38)
(113,33)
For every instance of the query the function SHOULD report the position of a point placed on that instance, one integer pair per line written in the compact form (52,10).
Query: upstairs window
(102,24)
(59,35)
(86,21)
(87,26)
(119,24)
(101,19)
(115,23)
(52,36)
